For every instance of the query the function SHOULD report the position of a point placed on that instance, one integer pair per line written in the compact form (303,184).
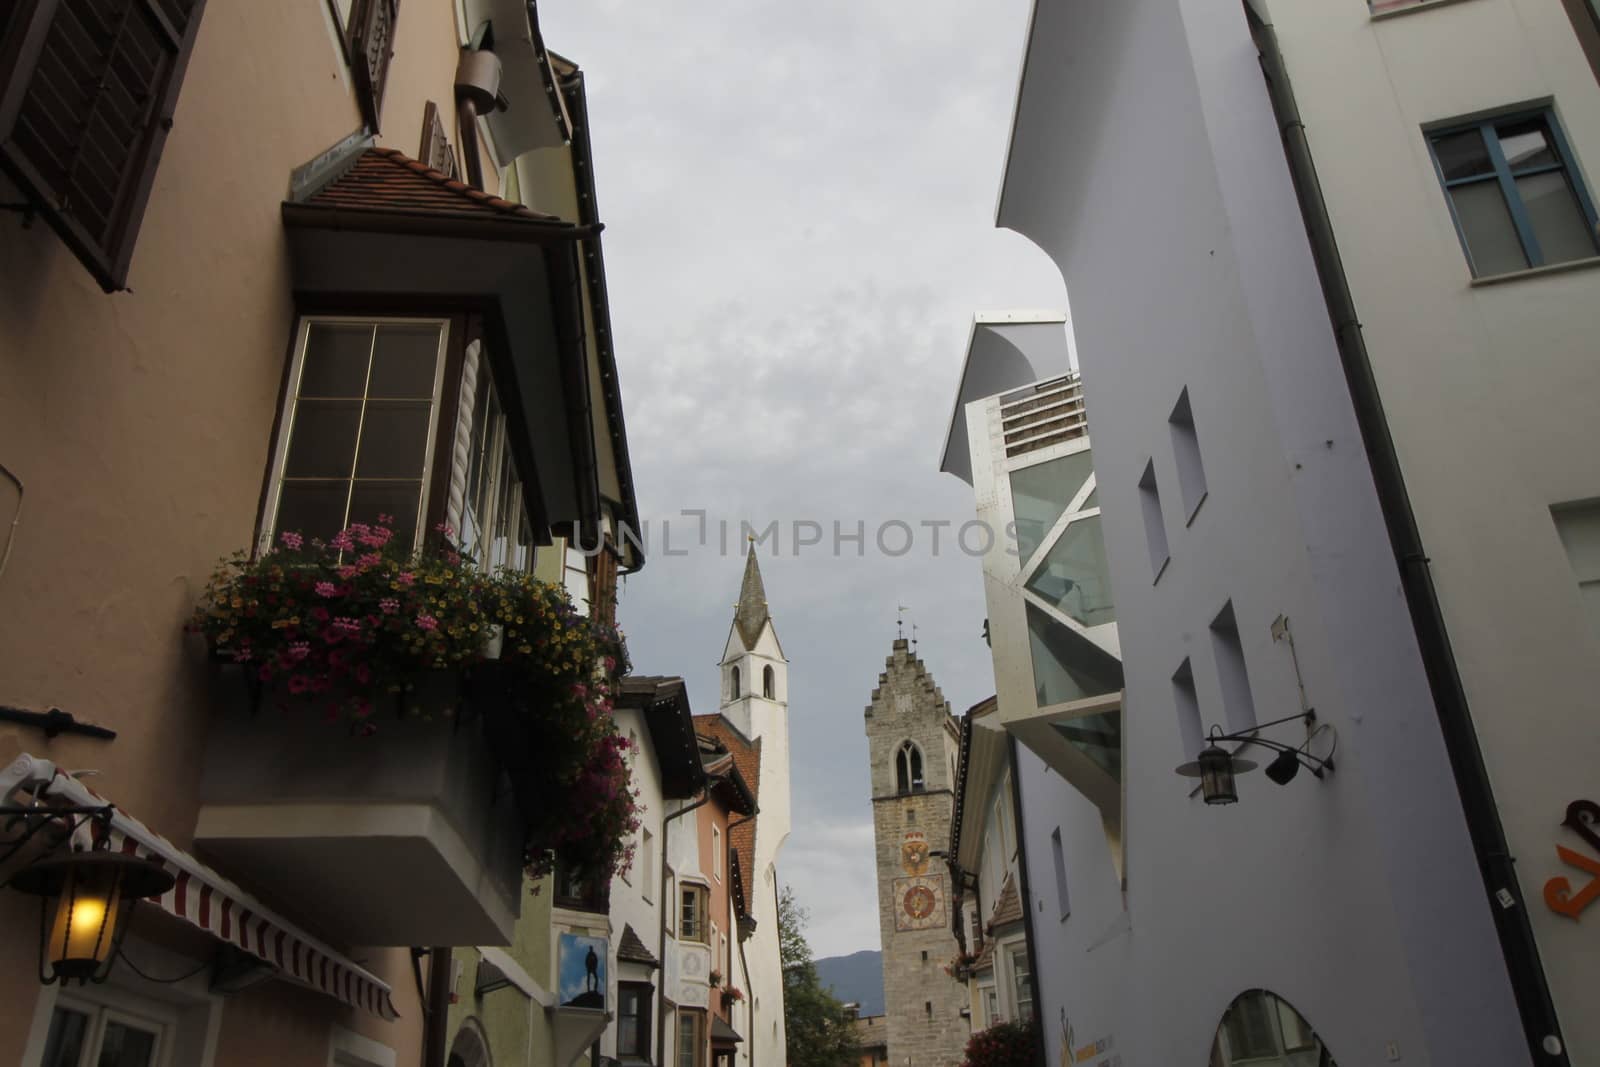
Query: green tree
(820,1031)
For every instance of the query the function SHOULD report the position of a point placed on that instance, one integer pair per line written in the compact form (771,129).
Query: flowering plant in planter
(958,965)
(1009,1044)
(731,995)
(351,622)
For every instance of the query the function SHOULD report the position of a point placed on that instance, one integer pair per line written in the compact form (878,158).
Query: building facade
(184,346)
(912,743)
(1301,240)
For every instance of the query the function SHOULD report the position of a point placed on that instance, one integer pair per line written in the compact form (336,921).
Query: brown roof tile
(383,179)
(1008,909)
(633,950)
(747,758)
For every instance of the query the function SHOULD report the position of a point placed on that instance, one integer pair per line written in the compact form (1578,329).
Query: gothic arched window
(769,683)
(733,684)
(908,769)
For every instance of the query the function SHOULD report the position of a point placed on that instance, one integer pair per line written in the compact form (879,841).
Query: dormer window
(908,769)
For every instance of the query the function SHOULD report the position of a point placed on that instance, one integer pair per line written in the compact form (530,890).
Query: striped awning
(206,899)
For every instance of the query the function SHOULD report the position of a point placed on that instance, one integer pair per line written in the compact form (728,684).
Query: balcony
(409,836)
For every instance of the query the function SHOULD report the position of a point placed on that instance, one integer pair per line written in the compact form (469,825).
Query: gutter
(600,309)
(1540,1024)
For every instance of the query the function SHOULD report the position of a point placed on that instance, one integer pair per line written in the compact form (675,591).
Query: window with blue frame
(1514,193)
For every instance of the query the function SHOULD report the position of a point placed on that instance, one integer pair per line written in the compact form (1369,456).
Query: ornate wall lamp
(86,898)
(1216,766)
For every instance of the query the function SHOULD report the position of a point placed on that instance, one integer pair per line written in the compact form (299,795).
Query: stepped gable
(901,659)
(746,756)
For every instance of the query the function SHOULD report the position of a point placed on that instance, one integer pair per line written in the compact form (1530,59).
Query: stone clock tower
(914,743)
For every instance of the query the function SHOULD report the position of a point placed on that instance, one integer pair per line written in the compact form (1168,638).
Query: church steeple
(751,613)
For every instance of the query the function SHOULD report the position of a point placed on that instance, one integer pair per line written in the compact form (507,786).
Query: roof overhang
(722,1034)
(986,751)
(536,117)
(665,702)
(1005,350)
(522,275)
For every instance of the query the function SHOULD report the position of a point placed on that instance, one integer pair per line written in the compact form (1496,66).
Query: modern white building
(1331,272)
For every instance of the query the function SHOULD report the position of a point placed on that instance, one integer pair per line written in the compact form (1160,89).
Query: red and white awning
(206,899)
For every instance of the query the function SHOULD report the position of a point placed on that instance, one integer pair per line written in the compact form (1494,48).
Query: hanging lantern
(86,903)
(1215,768)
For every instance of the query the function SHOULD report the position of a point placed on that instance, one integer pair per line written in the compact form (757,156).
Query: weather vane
(900,622)
(913,635)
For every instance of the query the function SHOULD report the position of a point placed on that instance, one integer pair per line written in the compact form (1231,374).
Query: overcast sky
(799,208)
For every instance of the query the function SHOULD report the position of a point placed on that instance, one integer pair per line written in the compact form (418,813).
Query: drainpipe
(1495,862)
(661,945)
(1027,902)
(437,1013)
(477,88)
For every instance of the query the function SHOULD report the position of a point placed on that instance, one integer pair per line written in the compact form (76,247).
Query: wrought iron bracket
(54,722)
(23,823)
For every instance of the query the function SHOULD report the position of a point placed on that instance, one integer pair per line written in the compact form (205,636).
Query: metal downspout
(1529,985)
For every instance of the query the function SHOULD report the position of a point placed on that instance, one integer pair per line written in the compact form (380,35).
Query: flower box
(406,836)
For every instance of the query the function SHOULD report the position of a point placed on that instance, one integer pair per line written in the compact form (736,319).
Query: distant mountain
(856,978)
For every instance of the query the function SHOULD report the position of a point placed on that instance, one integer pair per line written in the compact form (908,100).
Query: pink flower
(291,539)
(343,541)
(348,571)
(388,605)
(243,655)
(405,578)
(371,559)
(446,529)
(347,624)
(326,589)
(298,684)
(385,520)
(427,622)
(299,650)
(363,675)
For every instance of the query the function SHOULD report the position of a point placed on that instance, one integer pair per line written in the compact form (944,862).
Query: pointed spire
(751,614)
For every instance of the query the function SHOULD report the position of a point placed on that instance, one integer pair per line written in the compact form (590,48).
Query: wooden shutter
(371,46)
(85,110)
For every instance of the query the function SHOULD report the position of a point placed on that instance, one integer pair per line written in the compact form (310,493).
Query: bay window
(391,419)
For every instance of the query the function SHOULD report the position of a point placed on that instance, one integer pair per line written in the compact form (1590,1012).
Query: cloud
(799,226)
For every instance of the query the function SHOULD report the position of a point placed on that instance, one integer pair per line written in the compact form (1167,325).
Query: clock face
(919,902)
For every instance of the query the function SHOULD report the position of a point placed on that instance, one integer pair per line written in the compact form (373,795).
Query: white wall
(1147,164)
(1490,392)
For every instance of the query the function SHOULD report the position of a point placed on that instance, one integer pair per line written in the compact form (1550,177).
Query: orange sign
(1583,818)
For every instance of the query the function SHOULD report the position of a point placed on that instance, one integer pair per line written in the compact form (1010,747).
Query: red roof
(747,758)
(383,179)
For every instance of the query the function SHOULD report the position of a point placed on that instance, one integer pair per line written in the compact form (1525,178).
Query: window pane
(336,360)
(1250,1029)
(1039,495)
(400,499)
(315,509)
(1462,155)
(324,439)
(1526,143)
(1097,736)
(394,439)
(1075,575)
(405,361)
(1558,222)
(64,1047)
(1067,666)
(1486,226)
(126,1046)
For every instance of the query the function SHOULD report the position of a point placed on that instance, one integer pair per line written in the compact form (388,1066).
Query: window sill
(1426,5)
(1588,263)
(1196,509)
